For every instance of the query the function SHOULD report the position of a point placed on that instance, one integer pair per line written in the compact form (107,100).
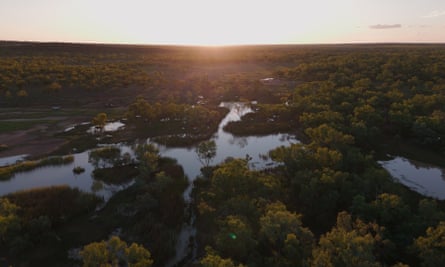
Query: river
(227,145)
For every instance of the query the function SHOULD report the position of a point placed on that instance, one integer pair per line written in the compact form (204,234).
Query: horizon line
(225,45)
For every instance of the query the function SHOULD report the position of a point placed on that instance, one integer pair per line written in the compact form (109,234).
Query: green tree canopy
(114,252)
(348,244)
(206,151)
(100,120)
(148,157)
(211,259)
(9,221)
(431,246)
(283,232)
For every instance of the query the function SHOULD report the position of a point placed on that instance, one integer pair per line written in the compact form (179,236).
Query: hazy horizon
(230,22)
(220,45)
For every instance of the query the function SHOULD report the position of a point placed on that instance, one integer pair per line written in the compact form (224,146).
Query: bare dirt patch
(38,140)
(28,142)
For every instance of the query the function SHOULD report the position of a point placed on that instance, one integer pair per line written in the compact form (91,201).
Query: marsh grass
(11,126)
(7,172)
(78,169)
(116,175)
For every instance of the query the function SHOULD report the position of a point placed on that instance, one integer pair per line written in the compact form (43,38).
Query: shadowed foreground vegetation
(7,172)
(40,226)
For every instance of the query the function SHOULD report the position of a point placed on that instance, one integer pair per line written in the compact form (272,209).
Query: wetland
(252,155)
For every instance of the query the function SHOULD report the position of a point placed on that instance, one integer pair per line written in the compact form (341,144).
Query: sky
(223,22)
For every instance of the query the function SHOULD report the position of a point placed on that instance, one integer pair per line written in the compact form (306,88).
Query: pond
(424,178)
(63,175)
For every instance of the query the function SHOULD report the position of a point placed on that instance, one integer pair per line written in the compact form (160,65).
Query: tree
(105,157)
(138,256)
(8,94)
(348,244)
(114,252)
(206,151)
(54,87)
(235,240)
(325,135)
(22,93)
(9,221)
(282,231)
(233,179)
(140,108)
(431,247)
(100,120)
(213,260)
(148,157)
(96,254)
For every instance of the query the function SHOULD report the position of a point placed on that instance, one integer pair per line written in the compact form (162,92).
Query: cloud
(434,14)
(385,26)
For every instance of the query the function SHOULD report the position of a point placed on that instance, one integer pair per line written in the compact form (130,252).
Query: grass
(11,126)
(116,175)
(12,119)
(7,172)
(77,144)
(35,113)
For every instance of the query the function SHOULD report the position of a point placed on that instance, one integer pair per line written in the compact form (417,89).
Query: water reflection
(11,160)
(424,178)
(228,145)
(63,175)
(109,127)
(239,141)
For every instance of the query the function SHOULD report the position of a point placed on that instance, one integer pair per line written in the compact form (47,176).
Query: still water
(426,179)
(227,146)
(63,175)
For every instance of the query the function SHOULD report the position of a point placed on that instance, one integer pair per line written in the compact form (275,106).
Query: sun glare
(198,22)
(214,22)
